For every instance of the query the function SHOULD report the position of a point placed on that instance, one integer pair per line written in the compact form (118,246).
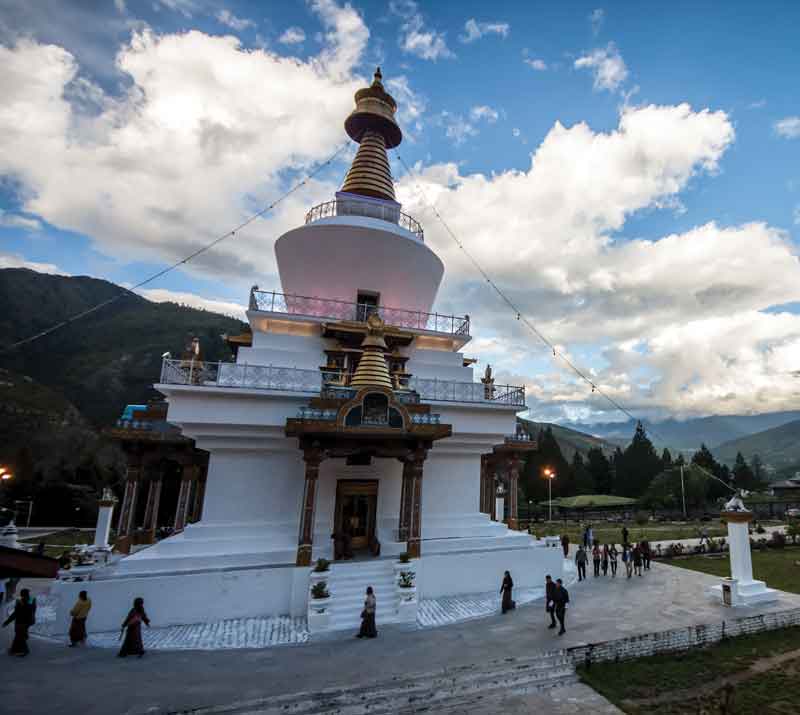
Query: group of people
(24,616)
(556,599)
(635,557)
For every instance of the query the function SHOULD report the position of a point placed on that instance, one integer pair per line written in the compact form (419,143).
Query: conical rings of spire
(369,174)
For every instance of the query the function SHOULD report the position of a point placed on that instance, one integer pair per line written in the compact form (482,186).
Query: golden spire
(373,126)
(372,369)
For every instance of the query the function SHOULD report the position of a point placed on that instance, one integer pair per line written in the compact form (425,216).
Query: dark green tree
(639,465)
(743,476)
(758,469)
(666,458)
(600,471)
(705,460)
(582,477)
(547,456)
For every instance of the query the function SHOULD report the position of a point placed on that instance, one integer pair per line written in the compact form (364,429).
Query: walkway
(93,682)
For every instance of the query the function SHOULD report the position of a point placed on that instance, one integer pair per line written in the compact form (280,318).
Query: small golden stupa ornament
(373,126)
(372,369)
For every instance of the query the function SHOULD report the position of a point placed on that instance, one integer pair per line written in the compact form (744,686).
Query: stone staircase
(348,585)
(473,688)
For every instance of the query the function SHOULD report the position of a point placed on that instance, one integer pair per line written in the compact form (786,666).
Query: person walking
(590,535)
(604,559)
(624,535)
(596,559)
(704,535)
(627,559)
(79,613)
(580,561)
(506,587)
(613,554)
(132,626)
(565,545)
(646,555)
(368,627)
(586,537)
(23,617)
(637,560)
(561,599)
(549,599)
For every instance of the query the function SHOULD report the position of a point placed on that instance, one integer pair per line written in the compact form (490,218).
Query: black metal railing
(368,209)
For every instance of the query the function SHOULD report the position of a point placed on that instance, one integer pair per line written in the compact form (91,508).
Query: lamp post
(550,475)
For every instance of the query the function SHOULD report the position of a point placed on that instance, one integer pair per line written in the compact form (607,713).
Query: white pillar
(499,508)
(104,513)
(739,545)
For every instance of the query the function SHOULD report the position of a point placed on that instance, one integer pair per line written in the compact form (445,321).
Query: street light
(550,475)
(5,473)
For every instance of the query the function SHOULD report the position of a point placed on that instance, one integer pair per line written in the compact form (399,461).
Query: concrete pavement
(94,682)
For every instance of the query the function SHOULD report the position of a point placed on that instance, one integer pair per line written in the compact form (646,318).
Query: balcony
(310,382)
(298,305)
(368,209)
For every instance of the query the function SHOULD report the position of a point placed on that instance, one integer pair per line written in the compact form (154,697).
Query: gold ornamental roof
(373,369)
(373,126)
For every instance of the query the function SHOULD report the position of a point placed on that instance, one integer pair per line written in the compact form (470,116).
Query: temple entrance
(356,511)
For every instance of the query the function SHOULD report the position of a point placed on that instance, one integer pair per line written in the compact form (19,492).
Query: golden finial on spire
(373,126)
(372,368)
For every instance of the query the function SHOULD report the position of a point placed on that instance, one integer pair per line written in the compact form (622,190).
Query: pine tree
(666,458)
(599,469)
(743,477)
(758,470)
(582,477)
(640,464)
(704,459)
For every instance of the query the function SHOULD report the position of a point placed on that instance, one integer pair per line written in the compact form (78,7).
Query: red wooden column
(514,465)
(312,456)
(127,513)
(415,497)
(151,509)
(406,492)
(189,475)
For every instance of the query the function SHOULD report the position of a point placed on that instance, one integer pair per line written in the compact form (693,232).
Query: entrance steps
(452,690)
(348,585)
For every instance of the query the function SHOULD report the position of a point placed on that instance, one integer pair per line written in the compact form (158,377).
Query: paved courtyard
(93,681)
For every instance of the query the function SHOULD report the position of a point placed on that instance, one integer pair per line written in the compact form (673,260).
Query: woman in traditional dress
(612,557)
(23,617)
(508,584)
(368,627)
(132,645)
(79,613)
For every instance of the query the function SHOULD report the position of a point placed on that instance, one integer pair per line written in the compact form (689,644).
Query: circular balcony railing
(370,209)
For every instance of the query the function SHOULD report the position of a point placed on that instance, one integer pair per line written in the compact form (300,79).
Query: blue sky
(670,230)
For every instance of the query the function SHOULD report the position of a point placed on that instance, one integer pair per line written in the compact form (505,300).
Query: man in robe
(561,599)
(549,599)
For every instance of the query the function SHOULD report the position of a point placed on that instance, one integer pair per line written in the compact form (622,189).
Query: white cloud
(607,66)
(788,127)
(456,127)
(675,323)
(10,220)
(11,260)
(597,18)
(207,133)
(475,30)
(796,215)
(410,104)
(415,38)
(163,295)
(292,36)
(120,5)
(226,17)
(185,7)
(538,65)
(485,113)
(759,104)
(516,132)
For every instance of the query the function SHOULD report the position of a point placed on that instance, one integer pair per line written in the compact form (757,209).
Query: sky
(629,173)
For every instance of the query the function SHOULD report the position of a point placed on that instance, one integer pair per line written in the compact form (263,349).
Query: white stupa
(352,412)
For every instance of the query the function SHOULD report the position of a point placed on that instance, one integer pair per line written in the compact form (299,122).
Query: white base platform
(748,593)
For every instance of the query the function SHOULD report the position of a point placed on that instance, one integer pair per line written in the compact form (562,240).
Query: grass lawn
(778,567)
(693,682)
(608,533)
(60,541)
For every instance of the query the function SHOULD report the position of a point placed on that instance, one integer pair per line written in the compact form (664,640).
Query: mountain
(569,440)
(687,435)
(778,447)
(108,359)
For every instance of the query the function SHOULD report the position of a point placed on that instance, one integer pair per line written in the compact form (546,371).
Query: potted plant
(318,607)
(321,571)
(407,596)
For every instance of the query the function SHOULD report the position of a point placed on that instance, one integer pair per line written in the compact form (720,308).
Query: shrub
(778,540)
(406,579)
(322,565)
(320,590)
(404,558)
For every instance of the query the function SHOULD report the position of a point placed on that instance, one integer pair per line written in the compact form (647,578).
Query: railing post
(272,308)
